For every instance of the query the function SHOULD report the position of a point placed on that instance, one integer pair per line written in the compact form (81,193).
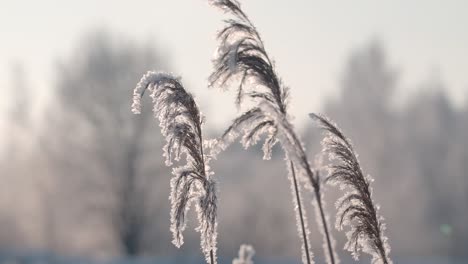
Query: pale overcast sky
(309,40)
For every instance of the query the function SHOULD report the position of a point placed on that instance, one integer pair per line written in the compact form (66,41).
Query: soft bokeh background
(83,180)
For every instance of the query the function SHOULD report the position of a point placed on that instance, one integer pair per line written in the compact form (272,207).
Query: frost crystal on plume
(180,121)
(356,208)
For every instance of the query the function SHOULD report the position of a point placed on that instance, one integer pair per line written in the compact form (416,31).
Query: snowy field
(46,258)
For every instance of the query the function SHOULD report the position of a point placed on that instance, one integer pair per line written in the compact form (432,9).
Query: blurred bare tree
(436,139)
(18,136)
(18,127)
(106,159)
(367,86)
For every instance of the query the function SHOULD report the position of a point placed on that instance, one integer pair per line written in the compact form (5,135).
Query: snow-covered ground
(44,258)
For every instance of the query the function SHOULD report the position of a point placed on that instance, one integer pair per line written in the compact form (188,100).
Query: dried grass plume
(356,208)
(181,124)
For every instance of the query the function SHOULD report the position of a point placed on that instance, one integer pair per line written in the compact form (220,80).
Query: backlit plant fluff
(356,208)
(241,56)
(246,253)
(180,122)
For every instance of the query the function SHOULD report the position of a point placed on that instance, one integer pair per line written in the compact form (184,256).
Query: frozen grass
(242,58)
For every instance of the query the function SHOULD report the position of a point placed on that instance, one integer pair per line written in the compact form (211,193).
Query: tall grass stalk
(241,56)
(356,208)
(181,124)
(302,218)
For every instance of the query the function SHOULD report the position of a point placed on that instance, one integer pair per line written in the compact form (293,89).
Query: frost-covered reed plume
(181,125)
(246,253)
(356,208)
(241,56)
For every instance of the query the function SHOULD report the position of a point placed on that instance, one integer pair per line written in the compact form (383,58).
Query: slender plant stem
(315,182)
(299,206)
(325,227)
(379,243)
(204,170)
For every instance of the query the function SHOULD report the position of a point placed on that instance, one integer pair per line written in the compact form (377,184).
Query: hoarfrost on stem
(301,218)
(320,223)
